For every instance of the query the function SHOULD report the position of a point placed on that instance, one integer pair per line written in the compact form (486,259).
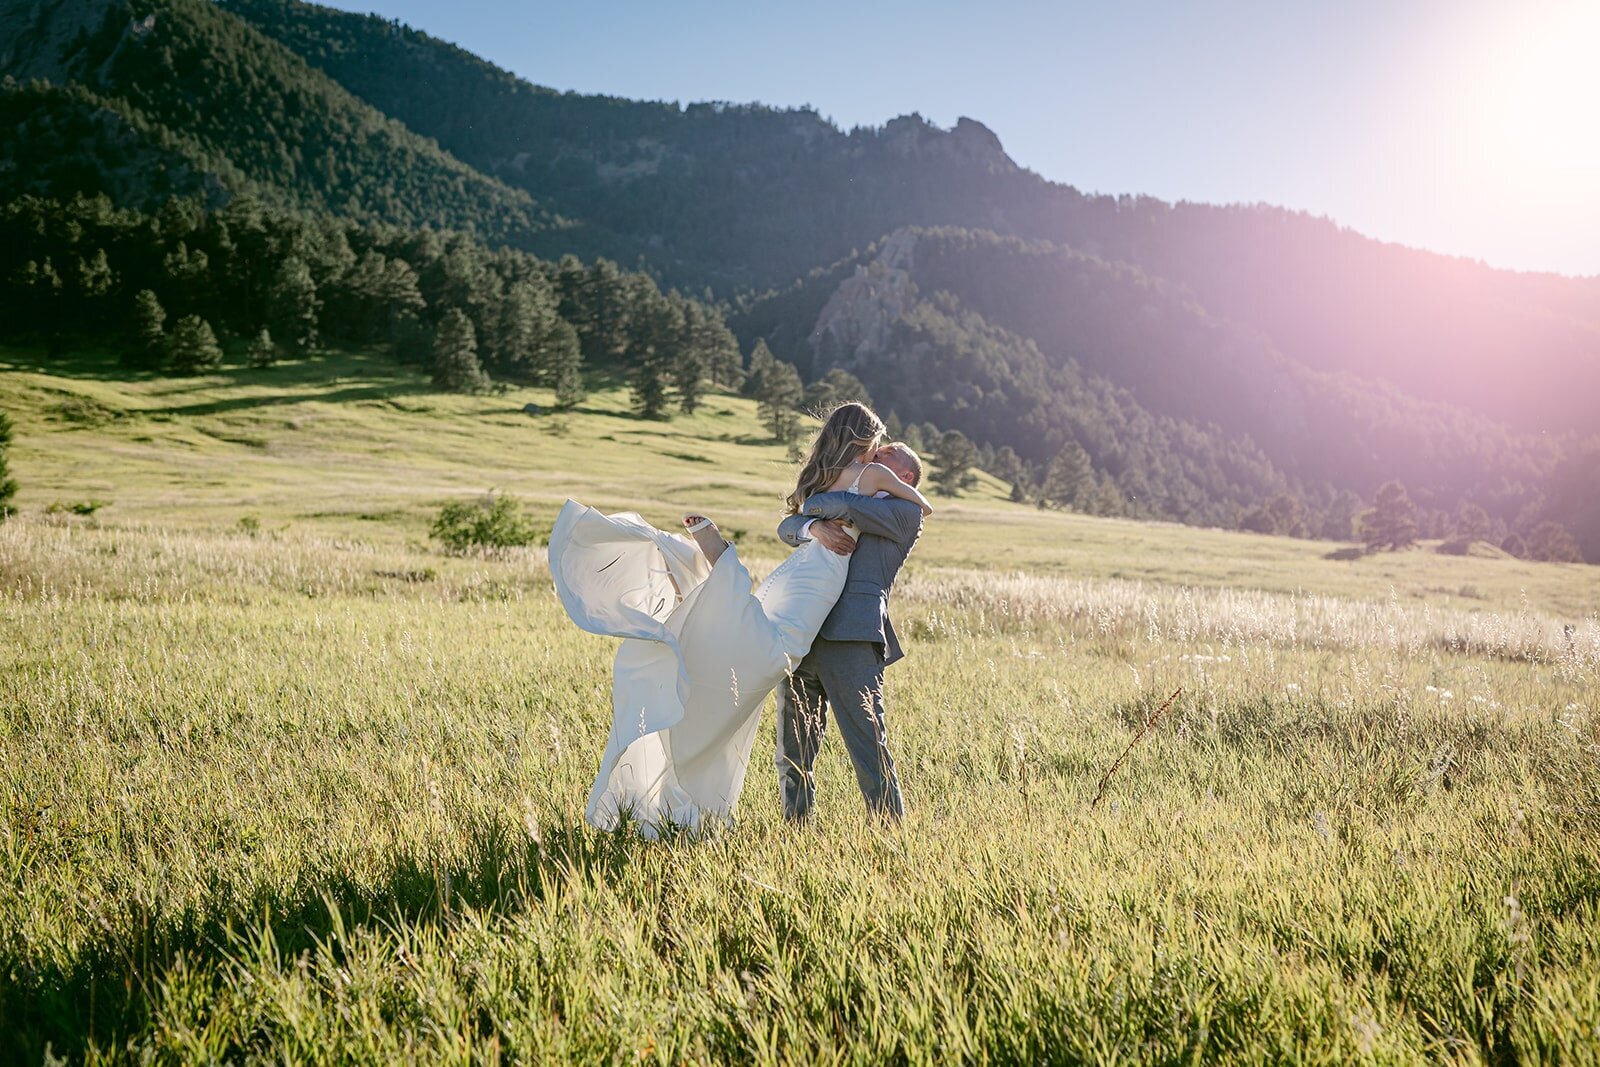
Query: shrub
(494,521)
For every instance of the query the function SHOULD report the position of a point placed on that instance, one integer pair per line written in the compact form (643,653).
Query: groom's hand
(831,533)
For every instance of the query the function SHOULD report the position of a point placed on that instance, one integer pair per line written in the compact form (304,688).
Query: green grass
(313,791)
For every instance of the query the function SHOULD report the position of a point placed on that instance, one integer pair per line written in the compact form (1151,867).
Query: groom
(844,669)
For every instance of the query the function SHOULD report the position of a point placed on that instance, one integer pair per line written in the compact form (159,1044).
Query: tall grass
(289,797)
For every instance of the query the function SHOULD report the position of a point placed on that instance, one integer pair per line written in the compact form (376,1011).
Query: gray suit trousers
(848,676)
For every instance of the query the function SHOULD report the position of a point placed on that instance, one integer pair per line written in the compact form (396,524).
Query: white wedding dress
(691,675)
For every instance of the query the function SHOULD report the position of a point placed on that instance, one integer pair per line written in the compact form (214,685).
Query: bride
(700,650)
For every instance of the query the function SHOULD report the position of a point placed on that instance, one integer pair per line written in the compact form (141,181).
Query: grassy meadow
(280,780)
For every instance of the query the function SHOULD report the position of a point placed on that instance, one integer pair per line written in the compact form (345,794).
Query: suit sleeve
(898,520)
(791,529)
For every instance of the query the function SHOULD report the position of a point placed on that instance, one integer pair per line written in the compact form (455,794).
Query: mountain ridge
(1238,352)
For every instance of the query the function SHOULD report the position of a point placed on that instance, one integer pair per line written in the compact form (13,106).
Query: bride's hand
(831,533)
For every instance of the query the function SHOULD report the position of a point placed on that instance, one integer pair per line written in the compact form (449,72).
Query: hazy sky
(1463,126)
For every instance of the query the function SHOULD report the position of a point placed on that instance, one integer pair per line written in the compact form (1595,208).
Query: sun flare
(1537,92)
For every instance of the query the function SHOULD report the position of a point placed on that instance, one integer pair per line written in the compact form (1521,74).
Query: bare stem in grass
(1149,724)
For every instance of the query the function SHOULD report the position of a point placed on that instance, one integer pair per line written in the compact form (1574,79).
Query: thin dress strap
(855,486)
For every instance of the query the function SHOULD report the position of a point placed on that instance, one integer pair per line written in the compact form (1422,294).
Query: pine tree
(1472,523)
(689,378)
(1007,464)
(95,282)
(1019,495)
(1552,542)
(1069,480)
(952,464)
(455,355)
(148,344)
(192,347)
(8,488)
(834,388)
(649,394)
(1281,513)
(262,352)
(1390,522)
(761,361)
(656,336)
(689,363)
(723,363)
(516,352)
(778,397)
(293,306)
(566,369)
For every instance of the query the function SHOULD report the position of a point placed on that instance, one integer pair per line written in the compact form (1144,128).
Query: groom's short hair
(911,459)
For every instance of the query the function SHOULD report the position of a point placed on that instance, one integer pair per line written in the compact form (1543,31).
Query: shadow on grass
(105,992)
(333,366)
(349,394)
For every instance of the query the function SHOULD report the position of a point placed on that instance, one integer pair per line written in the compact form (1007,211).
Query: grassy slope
(351,445)
(314,794)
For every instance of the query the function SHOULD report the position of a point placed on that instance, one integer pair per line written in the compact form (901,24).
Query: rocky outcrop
(857,322)
(969,142)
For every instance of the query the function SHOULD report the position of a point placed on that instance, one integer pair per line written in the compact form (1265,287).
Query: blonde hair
(912,460)
(850,431)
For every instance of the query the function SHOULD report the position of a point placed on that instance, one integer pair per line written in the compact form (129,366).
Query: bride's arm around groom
(896,520)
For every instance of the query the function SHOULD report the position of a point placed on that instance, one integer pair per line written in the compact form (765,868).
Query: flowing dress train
(691,674)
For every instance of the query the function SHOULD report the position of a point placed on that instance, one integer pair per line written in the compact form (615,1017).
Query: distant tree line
(166,288)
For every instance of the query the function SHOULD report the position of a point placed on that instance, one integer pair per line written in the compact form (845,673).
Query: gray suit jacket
(889,528)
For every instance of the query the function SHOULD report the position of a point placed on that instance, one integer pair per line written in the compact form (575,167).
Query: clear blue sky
(1463,126)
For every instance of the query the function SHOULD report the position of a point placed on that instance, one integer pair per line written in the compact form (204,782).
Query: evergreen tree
(148,344)
(516,352)
(952,464)
(1339,522)
(95,283)
(761,362)
(892,428)
(689,378)
(1390,522)
(1019,495)
(192,347)
(1007,465)
(293,306)
(455,355)
(1514,545)
(1472,523)
(1069,480)
(834,388)
(1281,514)
(606,320)
(1552,542)
(657,336)
(779,395)
(1108,499)
(8,488)
(649,394)
(716,345)
(399,300)
(262,352)
(566,369)
(689,363)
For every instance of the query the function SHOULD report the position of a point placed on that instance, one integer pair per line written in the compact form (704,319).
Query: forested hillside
(267,165)
(1041,348)
(183,85)
(743,197)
